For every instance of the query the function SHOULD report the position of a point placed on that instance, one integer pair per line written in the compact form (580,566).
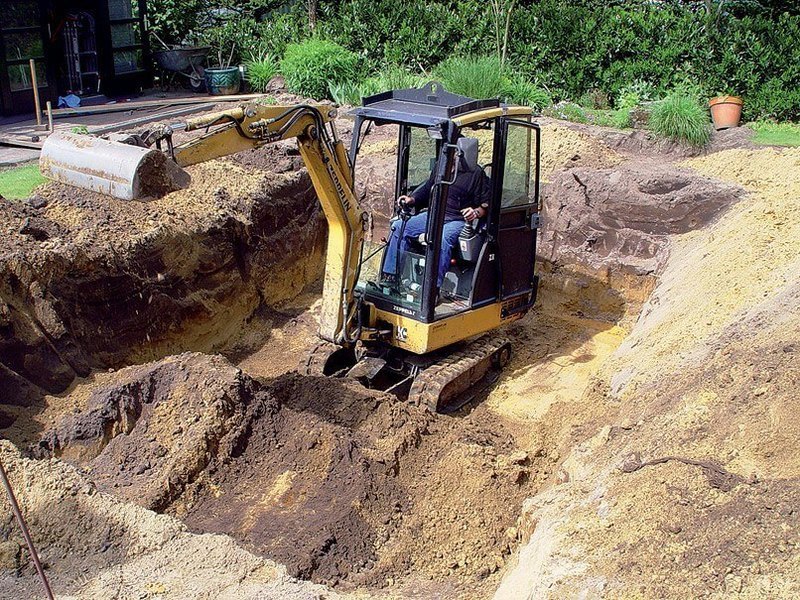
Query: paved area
(13,156)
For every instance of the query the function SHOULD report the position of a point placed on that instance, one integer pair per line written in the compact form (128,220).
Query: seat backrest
(469,151)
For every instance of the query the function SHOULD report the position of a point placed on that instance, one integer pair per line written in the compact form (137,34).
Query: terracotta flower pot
(726,111)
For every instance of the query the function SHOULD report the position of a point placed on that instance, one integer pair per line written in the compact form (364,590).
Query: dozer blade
(120,170)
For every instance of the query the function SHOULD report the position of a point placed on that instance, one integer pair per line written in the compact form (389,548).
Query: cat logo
(402,334)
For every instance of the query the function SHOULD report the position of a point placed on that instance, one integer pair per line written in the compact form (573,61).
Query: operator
(467,200)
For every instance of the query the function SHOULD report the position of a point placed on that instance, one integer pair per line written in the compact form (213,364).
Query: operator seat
(469,152)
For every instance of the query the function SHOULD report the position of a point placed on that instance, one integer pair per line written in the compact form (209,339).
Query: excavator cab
(491,278)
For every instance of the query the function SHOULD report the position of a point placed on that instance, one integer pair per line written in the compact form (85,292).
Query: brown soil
(341,485)
(642,435)
(94,282)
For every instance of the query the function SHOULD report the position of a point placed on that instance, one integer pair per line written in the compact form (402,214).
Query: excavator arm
(87,162)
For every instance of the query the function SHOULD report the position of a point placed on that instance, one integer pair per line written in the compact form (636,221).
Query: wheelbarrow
(183,62)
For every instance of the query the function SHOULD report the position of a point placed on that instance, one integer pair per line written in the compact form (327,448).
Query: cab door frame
(517,225)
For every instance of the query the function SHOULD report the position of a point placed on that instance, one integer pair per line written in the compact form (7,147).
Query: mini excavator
(398,335)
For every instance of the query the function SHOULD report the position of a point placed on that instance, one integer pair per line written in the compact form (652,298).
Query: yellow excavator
(397,335)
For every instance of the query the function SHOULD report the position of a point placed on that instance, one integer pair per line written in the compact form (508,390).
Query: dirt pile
(340,484)
(87,281)
(95,546)
(565,147)
(683,479)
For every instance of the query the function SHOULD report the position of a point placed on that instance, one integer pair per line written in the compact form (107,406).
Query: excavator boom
(135,170)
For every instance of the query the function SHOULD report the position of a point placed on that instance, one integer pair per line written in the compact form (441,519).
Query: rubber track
(314,362)
(455,373)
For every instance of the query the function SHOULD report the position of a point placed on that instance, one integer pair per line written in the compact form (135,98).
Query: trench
(344,486)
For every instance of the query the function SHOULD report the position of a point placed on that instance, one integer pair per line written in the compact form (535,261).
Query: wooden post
(36,93)
(49,107)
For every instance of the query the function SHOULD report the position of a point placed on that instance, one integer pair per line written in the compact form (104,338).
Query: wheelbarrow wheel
(197,79)
(197,82)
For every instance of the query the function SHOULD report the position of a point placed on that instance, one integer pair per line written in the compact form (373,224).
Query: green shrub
(346,93)
(393,78)
(682,118)
(567,111)
(396,78)
(749,48)
(261,68)
(311,66)
(594,98)
(473,76)
(523,92)
(619,118)
(633,94)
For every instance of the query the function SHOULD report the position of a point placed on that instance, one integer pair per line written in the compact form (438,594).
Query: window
(21,37)
(519,181)
(421,157)
(126,36)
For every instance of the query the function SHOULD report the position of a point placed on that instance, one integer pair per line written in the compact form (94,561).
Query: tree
(501,18)
(312,13)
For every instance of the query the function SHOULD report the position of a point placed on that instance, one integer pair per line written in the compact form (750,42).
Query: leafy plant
(567,111)
(594,98)
(681,117)
(261,68)
(619,118)
(473,76)
(396,78)
(393,78)
(525,93)
(349,93)
(633,94)
(311,66)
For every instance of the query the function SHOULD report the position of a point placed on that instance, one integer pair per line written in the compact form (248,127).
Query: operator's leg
(413,227)
(449,239)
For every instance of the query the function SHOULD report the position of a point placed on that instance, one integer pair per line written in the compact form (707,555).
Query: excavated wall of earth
(90,282)
(623,449)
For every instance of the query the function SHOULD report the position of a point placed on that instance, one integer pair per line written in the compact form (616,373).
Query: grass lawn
(19,182)
(776,134)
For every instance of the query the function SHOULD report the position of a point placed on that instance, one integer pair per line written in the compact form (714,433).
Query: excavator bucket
(120,170)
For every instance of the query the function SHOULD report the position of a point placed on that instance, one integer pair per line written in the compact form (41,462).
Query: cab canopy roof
(429,105)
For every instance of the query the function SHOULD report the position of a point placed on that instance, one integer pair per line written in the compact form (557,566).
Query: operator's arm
(422,194)
(481,195)
(420,197)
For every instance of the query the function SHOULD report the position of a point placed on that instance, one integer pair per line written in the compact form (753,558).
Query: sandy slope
(686,481)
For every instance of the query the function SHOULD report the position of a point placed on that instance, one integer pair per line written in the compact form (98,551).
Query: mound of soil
(334,481)
(87,281)
(96,547)
(565,147)
(622,217)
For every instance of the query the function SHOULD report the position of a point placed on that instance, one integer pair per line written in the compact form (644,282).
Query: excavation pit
(343,486)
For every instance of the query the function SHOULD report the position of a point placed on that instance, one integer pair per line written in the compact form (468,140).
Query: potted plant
(223,79)
(725,111)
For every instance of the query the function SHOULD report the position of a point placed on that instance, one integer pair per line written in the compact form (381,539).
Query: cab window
(519,185)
